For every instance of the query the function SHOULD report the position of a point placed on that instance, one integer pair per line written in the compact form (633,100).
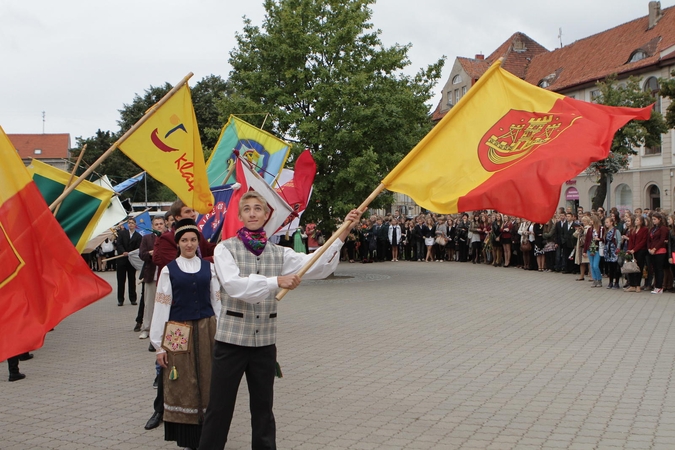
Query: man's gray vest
(246,324)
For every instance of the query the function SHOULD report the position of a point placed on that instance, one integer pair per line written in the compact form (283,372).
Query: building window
(456,79)
(637,55)
(463,91)
(595,94)
(449,95)
(624,198)
(37,151)
(591,194)
(653,197)
(456,96)
(652,86)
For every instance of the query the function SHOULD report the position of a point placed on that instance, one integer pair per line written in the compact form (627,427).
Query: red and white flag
(249,180)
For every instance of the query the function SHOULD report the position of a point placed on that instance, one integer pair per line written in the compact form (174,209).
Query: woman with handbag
(496,239)
(594,236)
(441,239)
(477,237)
(612,242)
(637,246)
(657,247)
(668,271)
(506,235)
(538,230)
(486,222)
(581,256)
(549,246)
(526,239)
(183,328)
(429,231)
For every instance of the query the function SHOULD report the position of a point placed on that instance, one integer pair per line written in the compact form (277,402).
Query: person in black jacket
(558,237)
(127,240)
(568,241)
(383,247)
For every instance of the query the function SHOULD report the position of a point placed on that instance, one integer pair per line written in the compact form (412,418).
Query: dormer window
(637,56)
(548,79)
(37,151)
(456,79)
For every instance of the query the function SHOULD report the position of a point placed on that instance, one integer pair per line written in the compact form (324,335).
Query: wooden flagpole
(119,142)
(321,250)
(230,172)
(72,174)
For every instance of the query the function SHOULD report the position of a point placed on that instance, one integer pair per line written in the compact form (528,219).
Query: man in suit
(127,240)
(569,241)
(382,239)
(559,237)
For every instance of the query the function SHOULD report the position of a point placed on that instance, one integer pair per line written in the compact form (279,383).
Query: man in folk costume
(250,271)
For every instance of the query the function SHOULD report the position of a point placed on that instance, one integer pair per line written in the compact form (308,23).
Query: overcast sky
(80,61)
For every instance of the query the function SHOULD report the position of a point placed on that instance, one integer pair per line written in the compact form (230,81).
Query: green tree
(206,95)
(634,134)
(330,85)
(668,90)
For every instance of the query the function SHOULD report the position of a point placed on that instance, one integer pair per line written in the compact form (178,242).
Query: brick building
(52,149)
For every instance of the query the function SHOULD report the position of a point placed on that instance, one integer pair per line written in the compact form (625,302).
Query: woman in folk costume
(188,293)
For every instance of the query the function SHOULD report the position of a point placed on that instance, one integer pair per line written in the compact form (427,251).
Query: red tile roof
(595,57)
(473,67)
(517,51)
(53,146)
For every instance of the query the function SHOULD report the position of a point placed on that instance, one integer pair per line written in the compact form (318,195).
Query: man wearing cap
(250,271)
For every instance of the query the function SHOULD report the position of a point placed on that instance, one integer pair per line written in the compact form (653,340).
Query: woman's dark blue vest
(191,293)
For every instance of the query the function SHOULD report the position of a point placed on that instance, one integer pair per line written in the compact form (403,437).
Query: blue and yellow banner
(263,150)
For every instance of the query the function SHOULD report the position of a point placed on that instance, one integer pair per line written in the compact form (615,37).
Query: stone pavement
(401,356)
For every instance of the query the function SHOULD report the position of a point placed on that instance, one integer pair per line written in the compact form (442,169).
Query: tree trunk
(600,193)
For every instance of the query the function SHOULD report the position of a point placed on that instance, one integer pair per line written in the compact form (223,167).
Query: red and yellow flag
(507,145)
(168,147)
(43,279)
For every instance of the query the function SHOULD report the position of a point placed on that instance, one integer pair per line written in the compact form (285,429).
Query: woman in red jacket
(657,246)
(637,246)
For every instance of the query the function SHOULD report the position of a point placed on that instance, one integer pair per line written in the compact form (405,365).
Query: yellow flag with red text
(168,147)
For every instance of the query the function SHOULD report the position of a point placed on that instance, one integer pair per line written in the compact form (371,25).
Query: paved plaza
(389,356)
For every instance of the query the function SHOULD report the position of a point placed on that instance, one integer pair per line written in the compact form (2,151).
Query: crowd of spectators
(593,244)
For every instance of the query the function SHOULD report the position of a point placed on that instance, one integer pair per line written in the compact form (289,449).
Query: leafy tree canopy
(668,90)
(328,84)
(634,134)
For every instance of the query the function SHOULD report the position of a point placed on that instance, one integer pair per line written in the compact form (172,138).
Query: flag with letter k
(168,147)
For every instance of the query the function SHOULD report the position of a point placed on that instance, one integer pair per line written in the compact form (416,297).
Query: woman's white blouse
(164,297)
